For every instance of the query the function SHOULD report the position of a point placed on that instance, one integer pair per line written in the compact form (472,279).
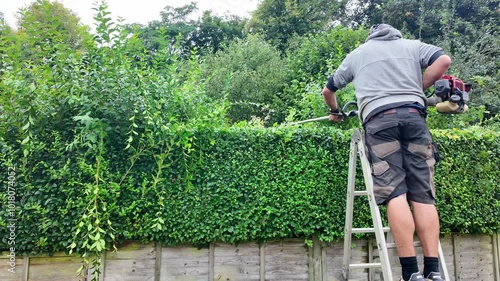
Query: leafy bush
(476,61)
(468,175)
(314,56)
(249,73)
(310,61)
(73,127)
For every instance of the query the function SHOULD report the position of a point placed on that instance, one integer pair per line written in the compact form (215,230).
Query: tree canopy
(51,22)
(280,20)
(208,33)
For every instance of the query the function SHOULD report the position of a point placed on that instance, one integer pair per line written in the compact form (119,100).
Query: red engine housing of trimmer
(457,83)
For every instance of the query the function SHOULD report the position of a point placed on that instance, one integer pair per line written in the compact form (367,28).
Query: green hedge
(227,185)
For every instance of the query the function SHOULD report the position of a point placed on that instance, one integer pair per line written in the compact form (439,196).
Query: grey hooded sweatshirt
(385,70)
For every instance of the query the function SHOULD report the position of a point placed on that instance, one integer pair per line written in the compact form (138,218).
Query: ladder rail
(353,156)
(374,209)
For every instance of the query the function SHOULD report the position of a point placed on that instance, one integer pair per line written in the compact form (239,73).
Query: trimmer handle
(342,112)
(351,113)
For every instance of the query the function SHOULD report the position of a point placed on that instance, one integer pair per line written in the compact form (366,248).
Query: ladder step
(369,230)
(393,245)
(365,265)
(360,192)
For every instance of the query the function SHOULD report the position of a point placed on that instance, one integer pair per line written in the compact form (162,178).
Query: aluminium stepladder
(357,148)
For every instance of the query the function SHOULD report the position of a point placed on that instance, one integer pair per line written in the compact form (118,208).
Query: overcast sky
(135,11)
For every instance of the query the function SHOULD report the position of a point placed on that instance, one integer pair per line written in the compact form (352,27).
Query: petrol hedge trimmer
(450,96)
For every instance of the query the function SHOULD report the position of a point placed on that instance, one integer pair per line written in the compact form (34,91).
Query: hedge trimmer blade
(343,113)
(310,120)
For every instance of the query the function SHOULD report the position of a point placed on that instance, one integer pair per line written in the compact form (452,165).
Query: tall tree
(429,20)
(44,20)
(176,30)
(49,26)
(212,31)
(280,20)
(44,28)
(360,12)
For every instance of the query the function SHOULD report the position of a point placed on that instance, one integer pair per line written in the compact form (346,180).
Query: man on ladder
(387,75)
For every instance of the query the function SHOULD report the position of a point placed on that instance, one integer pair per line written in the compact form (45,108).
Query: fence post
(26,268)
(211,262)
(157,262)
(456,256)
(103,266)
(496,255)
(317,259)
(262,265)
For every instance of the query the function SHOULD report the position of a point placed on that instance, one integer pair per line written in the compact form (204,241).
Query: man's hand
(336,117)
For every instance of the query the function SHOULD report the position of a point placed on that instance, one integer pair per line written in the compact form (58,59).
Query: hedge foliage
(230,185)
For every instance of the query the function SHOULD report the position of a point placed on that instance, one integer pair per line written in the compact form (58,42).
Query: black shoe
(415,277)
(434,276)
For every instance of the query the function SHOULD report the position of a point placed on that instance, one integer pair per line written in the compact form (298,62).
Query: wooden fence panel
(132,262)
(184,263)
(468,257)
(286,260)
(7,273)
(475,258)
(55,268)
(334,253)
(237,263)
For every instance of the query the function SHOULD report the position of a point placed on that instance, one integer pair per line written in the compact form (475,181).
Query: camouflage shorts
(402,155)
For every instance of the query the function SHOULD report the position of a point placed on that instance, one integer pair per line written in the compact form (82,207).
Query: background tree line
(271,66)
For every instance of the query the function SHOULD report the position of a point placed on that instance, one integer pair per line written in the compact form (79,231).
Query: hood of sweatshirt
(384,32)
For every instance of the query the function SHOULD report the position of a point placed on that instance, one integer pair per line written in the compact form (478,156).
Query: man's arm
(339,79)
(435,71)
(331,101)
(330,98)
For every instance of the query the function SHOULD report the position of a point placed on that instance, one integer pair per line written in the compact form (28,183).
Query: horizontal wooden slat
(469,257)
